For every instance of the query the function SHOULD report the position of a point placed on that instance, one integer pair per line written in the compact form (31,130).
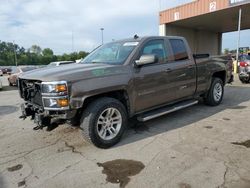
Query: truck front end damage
(47,103)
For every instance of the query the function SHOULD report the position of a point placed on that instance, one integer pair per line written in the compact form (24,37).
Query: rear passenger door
(183,68)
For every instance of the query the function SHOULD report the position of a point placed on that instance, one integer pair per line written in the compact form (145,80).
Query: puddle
(119,171)
(246,143)
(15,168)
(238,107)
(4,110)
(184,185)
(21,183)
(208,127)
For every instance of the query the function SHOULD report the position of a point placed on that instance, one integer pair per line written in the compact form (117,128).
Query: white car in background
(1,72)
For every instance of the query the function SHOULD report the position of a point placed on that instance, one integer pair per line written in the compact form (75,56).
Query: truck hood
(73,72)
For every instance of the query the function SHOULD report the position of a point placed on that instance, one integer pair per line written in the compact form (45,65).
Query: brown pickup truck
(139,78)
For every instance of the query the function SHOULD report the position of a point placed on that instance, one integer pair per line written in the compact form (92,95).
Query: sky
(52,23)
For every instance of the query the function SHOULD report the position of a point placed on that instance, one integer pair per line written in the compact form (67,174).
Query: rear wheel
(103,122)
(215,93)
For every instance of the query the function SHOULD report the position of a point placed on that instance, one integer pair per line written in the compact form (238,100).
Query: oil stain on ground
(15,168)
(4,110)
(119,171)
(246,143)
(21,183)
(208,127)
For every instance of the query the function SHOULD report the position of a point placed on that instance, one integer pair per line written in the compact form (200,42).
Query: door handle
(168,70)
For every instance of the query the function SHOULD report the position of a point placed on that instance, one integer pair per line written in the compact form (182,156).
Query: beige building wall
(200,41)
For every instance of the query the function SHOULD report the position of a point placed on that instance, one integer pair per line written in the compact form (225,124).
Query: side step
(166,110)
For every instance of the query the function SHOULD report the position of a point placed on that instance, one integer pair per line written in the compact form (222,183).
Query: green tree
(47,52)
(35,49)
(226,51)
(33,56)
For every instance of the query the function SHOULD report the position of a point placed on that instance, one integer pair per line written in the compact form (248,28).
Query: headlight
(54,88)
(55,95)
(55,103)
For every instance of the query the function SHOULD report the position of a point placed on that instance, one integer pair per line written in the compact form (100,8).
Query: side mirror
(146,59)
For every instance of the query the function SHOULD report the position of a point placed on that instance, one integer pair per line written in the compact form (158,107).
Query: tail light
(244,64)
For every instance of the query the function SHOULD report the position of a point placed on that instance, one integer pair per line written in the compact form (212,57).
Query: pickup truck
(137,78)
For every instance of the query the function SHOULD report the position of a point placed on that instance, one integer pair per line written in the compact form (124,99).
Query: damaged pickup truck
(139,78)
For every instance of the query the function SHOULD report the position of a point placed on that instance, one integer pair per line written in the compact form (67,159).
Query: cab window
(179,49)
(157,48)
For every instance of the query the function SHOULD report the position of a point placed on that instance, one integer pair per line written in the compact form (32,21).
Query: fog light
(62,102)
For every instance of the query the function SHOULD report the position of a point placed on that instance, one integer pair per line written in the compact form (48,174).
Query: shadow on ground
(8,88)
(233,98)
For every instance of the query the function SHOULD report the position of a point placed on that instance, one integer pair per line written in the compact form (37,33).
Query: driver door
(151,82)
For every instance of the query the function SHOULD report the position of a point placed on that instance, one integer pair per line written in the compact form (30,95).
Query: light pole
(238,41)
(14,48)
(102,29)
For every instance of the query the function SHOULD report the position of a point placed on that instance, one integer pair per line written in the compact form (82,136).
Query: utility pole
(15,53)
(238,42)
(102,29)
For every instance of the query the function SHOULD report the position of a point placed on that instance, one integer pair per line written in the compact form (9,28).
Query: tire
(215,93)
(244,80)
(100,134)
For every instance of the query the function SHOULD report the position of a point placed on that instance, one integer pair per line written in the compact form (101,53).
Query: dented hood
(72,72)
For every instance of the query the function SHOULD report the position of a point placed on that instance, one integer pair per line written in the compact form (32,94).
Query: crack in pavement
(28,152)
(65,169)
(224,177)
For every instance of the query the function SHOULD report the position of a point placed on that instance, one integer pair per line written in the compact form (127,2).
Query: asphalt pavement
(198,147)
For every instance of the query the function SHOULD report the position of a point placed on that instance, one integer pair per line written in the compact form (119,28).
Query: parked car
(16,72)
(244,69)
(1,72)
(6,70)
(58,63)
(139,78)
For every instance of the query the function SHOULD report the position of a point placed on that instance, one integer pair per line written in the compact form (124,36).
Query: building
(202,22)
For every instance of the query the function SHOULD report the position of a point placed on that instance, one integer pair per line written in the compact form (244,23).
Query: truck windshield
(111,53)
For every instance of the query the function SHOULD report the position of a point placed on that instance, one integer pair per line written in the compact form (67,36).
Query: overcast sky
(50,23)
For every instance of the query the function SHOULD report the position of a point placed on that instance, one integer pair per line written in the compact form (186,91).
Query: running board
(166,110)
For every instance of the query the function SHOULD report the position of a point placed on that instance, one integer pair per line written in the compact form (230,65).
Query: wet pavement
(200,146)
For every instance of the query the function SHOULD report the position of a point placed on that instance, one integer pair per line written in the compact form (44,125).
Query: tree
(226,51)
(33,56)
(47,52)
(35,49)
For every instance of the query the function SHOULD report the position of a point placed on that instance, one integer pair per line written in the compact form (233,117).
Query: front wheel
(103,122)
(215,93)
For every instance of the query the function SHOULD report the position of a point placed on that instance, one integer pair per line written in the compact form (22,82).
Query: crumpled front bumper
(45,117)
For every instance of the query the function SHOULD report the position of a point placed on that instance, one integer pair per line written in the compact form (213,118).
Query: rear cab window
(179,49)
